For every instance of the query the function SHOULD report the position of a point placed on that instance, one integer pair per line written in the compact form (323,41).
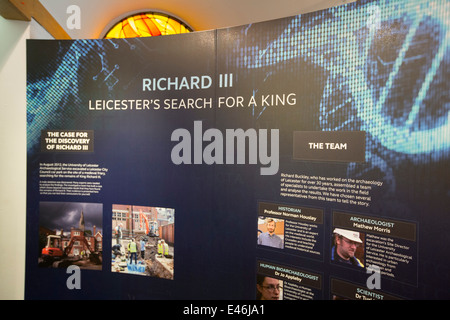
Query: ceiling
(97,16)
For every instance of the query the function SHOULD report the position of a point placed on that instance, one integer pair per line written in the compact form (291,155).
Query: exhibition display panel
(303,158)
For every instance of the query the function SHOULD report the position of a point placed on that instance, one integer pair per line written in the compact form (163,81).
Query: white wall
(13,35)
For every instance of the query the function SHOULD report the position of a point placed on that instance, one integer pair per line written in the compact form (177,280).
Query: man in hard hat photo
(344,247)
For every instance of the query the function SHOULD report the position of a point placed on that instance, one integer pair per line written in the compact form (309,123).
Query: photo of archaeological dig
(143,241)
(70,233)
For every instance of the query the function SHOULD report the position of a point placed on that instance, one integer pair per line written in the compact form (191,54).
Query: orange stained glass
(147,25)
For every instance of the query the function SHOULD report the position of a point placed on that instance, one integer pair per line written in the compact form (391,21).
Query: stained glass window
(147,25)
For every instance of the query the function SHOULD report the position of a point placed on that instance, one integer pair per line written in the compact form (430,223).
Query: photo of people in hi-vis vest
(143,241)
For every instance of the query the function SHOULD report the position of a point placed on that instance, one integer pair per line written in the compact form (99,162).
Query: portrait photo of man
(345,247)
(271,233)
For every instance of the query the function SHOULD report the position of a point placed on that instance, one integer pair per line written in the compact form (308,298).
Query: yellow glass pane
(147,25)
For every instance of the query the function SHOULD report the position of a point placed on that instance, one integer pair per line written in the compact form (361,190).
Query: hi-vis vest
(132,247)
(160,248)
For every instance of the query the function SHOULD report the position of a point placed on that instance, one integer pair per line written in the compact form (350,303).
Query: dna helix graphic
(387,64)
(344,47)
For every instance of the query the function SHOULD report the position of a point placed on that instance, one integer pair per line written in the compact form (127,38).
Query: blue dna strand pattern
(386,66)
(46,95)
(53,99)
(388,60)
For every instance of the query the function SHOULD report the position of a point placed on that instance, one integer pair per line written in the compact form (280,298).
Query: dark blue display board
(299,158)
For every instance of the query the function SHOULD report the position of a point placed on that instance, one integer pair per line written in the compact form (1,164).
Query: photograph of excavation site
(143,241)
(70,233)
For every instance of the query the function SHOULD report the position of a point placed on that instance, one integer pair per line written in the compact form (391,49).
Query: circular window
(148,24)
